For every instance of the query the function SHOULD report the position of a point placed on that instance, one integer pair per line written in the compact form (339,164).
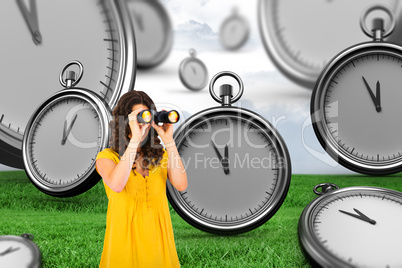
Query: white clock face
(64,141)
(302,36)
(356,108)
(153,33)
(194,73)
(15,254)
(351,113)
(362,242)
(70,30)
(235,193)
(234,32)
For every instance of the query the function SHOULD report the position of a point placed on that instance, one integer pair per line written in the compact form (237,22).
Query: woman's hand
(165,131)
(138,132)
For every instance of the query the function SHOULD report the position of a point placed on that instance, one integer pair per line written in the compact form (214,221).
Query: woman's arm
(116,176)
(176,173)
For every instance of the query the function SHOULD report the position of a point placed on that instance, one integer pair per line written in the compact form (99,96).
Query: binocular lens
(144,116)
(173,117)
(147,116)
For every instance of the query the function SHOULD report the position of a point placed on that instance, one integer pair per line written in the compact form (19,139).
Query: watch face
(30,68)
(18,253)
(238,172)
(301,37)
(193,73)
(356,226)
(153,32)
(356,107)
(234,32)
(65,135)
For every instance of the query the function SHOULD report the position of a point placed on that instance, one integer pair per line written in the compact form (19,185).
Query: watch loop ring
(367,11)
(78,78)
(326,187)
(221,74)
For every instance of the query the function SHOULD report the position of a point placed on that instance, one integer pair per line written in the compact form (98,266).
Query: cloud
(197,35)
(204,2)
(212,14)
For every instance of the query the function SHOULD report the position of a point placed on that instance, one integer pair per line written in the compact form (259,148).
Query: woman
(134,170)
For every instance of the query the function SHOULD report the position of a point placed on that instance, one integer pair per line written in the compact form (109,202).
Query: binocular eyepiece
(147,116)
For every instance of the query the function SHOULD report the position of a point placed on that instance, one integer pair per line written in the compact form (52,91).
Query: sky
(286,105)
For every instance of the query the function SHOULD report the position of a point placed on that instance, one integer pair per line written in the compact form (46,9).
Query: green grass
(70,231)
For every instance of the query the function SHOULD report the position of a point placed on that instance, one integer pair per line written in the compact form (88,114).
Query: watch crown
(70,78)
(378,29)
(226,93)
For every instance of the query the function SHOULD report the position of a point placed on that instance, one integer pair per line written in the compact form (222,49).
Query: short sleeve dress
(139,230)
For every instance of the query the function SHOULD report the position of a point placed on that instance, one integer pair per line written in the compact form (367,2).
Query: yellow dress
(138,226)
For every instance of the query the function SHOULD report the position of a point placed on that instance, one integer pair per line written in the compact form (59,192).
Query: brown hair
(151,147)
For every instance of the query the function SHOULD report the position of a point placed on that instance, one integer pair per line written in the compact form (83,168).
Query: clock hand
(359,217)
(64,130)
(65,133)
(378,97)
(216,150)
(364,216)
(8,251)
(31,19)
(373,98)
(225,160)
(194,70)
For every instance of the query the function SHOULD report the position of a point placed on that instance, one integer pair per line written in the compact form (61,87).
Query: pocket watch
(300,37)
(238,167)
(153,32)
(40,37)
(19,251)
(352,227)
(355,107)
(63,137)
(193,73)
(234,31)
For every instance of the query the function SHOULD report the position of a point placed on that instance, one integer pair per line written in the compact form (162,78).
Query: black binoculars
(147,116)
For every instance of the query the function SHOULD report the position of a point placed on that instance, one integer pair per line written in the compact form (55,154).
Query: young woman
(134,170)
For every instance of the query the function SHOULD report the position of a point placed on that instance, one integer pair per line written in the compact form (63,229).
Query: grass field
(70,231)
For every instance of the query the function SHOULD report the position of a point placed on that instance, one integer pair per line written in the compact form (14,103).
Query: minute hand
(361,216)
(223,160)
(67,131)
(377,98)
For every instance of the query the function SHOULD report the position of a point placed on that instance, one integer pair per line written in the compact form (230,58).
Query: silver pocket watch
(352,227)
(356,103)
(153,32)
(19,251)
(192,72)
(238,166)
(43,35)
(234,31)
(63,137)
(301,36)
